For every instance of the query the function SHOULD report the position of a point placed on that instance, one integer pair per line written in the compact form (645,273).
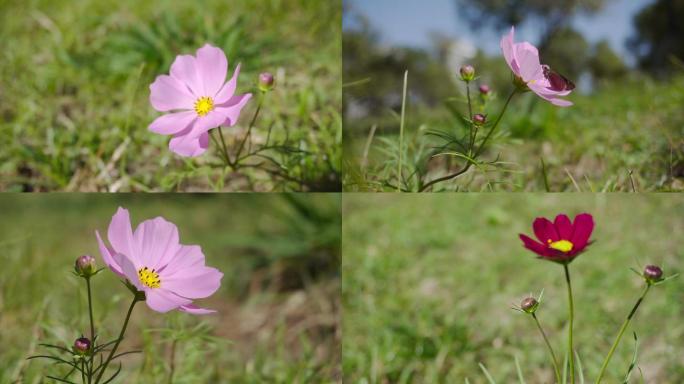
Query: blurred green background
(625,131)
(429,281)
(278,305)
(75,76)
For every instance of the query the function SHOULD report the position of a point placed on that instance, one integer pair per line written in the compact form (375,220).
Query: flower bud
(484,89)
(529,305)
(467,73)
(82,346)
(266,81)
(85,265)
(479,119)
(653,274)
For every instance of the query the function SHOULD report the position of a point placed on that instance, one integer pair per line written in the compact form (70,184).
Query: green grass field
(74,80)
(278,303)
(429,281)
(623,137)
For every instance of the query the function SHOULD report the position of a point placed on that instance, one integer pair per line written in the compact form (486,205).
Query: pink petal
(108,256)
(172,123)
(228,89)
(507,49)
(184,69)
(188,147)
(167,93)
(187,257)
(195,310)
(527,57)
(563,226)
(542,92)
(212,65)
(193,283)
(163,301)
(130,270)
(231,110)
(120,234)
(544,230)
(536,247)
(583,227)
(157,240)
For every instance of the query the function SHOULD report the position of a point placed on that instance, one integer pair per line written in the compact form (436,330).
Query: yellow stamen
(561,245)
(204,105)
(149,277)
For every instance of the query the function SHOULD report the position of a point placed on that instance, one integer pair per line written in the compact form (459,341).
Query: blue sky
(409,23)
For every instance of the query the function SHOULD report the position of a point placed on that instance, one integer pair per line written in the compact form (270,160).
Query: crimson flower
(561,240)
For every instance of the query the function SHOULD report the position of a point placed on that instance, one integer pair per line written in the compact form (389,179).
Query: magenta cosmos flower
(199,100)
(523,59)
(560,240)
(154,261)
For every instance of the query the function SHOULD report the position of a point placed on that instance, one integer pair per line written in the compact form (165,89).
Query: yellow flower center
(149,277)
(204,105)
(561,245)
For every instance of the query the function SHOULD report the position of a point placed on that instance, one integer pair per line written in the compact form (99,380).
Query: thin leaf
(486,373)
(579,368)
(60,380)
(517,368)
(634,360)
(114,375)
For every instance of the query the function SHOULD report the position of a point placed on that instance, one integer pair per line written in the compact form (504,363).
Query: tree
(660,35)
(605,64)
(566,51)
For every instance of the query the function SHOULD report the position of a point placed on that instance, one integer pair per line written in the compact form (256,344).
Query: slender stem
(226,159)
(470,118)
(401,131)
(249,129)
(496,123)
(92,327)
(225,149)
(554,360)
(118,341)
(622,331)
(83,375)
(571,306)
(477,153)
(173,360)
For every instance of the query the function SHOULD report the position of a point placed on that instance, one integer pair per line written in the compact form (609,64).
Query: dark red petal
(582,228)
(563,226)
(538,248)
(544,230)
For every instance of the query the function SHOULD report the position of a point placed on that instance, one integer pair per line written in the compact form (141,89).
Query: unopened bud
(484,89)
(529,305)
(82,346)
(85,266)
(467,73)
(653,273)
(266,81)
(479,119)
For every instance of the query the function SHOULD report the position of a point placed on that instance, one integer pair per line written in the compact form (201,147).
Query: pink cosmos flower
(199,100)
(153,260)
(523,59)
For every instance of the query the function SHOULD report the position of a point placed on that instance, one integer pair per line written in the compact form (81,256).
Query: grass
(75,106)
(429,281)
(278,304)
(623,137)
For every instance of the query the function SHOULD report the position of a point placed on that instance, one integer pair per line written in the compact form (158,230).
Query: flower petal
(231,110)
(120,235)
(527,57)
(167,93)
(583,227)
(130,270)
(158,242)
(172,123)
(188,147)
(544,230)
(563,227)
(228,90)
(163,301)
(193,283)
(187,257)
(507,49)
(184,69)
(108,256)
(195,310)
(212,65)
(534,246)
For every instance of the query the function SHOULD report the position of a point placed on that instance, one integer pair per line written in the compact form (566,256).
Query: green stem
(249,130)
(118,341)
(554,360)
(224,153)
(571,306)
(92,327)
(470,117)
(496,123)
(401,131)
(225,149)
(620,333)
